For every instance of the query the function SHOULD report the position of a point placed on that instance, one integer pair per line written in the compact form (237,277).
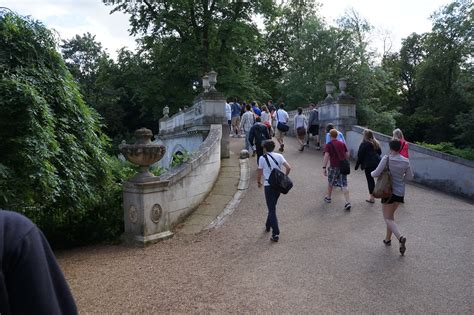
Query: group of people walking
(241,119)
(369,159)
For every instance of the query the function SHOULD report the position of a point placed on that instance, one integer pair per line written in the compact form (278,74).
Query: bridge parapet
(208,109)
(432,168)
(152,208)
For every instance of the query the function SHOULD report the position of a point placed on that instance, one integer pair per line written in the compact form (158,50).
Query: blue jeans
(271,197)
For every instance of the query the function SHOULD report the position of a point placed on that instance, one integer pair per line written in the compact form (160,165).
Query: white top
(265,117)
(247,121)
(228,111)
(301,121)
(282,116)
(399,169)
(262,164)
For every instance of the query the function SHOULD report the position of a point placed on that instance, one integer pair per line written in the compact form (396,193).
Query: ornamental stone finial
(166,111)
(329,89)
(212,80)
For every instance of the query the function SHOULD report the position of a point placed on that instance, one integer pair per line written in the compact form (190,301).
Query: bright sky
(71,17)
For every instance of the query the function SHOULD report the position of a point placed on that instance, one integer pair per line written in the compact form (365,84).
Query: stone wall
(432,168)
(192,181)
(153,208)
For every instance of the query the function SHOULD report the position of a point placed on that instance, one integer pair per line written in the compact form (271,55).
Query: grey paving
(327,261)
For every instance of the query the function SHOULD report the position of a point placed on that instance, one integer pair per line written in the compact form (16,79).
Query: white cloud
(70,17)
(399,17)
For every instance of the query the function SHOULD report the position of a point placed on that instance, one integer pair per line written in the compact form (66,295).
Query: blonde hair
(333,133)
(398,134)
(369,137)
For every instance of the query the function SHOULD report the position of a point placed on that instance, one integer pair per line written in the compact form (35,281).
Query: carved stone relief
(156,213)
(133,214)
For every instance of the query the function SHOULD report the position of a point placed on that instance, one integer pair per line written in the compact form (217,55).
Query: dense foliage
(52,150)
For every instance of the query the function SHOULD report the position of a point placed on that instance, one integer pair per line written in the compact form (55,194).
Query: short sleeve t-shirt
(282,116)
(262,164)
(335,149)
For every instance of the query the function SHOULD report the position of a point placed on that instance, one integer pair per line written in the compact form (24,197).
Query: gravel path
(328,260)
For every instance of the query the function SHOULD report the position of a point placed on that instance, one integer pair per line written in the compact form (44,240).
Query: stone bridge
(328,260)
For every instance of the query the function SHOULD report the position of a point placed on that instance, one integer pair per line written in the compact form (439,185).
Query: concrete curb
(244,184)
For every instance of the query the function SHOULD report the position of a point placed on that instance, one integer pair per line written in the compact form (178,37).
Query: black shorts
(314,130)
(393,199)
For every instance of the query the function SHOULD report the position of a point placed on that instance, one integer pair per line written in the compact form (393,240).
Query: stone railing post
(340,111)
(211,110)
(145,210)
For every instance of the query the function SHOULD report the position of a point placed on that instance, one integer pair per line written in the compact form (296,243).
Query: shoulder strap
(268,162)
(273,159)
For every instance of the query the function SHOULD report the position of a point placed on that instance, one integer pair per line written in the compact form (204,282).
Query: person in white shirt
(281,118)
(267,119)
(247,121)
(301,125)
(400,171)
(266,163)
(228,115)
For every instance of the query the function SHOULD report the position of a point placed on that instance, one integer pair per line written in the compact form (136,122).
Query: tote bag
(383,186)
(282,126)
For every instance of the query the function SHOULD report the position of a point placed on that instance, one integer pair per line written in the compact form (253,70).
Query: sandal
(370,201)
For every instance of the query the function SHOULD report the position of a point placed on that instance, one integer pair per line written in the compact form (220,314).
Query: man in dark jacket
(31,281)
(257,134)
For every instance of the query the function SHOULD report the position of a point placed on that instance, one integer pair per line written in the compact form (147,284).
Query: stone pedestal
(342,113)
(146,214)
(212,109)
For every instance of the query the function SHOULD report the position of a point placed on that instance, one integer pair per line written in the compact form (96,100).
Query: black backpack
(261,134)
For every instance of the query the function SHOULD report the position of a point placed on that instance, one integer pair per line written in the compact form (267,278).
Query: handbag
(383,186)
(278,180)
(344,165)
(282,126)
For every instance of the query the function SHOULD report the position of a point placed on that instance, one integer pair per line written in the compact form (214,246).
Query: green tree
(53,159)
(83,56)
(195,36)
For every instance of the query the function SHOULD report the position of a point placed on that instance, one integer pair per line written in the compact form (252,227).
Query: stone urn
(143,153)
(329,89)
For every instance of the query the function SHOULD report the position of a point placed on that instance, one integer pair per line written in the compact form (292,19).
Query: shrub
(448,147)
(179,158)
(53,163)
